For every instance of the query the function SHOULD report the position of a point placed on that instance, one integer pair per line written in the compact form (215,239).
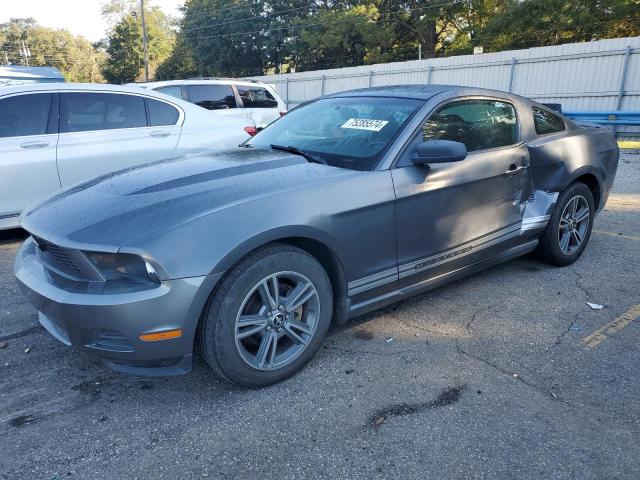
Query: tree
(533,23)
(180,63)
(75,57)
(125,51)
(345,37)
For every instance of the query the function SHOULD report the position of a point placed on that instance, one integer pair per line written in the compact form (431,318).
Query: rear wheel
(569,227)
(268,317)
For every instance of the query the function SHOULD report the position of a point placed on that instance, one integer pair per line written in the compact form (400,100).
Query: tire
(554,247)
(244,320)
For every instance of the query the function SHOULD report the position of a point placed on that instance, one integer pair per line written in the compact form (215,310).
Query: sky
(80,17)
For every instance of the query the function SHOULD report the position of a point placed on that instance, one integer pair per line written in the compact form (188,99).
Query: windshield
(350,133)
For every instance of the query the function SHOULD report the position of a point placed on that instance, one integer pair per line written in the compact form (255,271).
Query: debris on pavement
(390,339)
(3,344)
(595,306)
(27,350)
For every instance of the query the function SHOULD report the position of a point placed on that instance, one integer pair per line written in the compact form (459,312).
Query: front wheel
(569,227)
(268,317)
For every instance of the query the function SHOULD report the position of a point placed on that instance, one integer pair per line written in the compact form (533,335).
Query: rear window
(547,122)
(82,112)
(256,97)
(161,113)
(23,115)
(212,97)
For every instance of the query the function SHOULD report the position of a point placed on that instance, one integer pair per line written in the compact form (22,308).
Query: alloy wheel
(277,320)
(574,223)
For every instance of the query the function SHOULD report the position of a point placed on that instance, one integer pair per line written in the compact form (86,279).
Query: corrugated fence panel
(580,76)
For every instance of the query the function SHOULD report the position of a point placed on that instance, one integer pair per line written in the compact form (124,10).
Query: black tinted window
(161,113)
(256,97)
(546,122)
(479,124)
(174,91)
(212,97)
(81,112)
(23,115)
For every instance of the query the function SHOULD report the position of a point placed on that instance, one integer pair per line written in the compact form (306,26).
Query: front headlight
(123,267)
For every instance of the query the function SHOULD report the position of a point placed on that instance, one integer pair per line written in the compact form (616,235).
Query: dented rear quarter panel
(559,159)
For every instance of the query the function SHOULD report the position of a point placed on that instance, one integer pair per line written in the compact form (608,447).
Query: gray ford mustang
(349,203)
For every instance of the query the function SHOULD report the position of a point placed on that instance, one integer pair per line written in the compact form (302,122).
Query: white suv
(242,98)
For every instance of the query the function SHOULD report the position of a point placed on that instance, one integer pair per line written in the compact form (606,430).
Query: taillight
(251,130)
(282,114)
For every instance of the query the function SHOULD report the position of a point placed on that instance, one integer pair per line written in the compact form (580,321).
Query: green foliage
(74,56)
(251,37)
(533,23)
(125,61)
(180,64)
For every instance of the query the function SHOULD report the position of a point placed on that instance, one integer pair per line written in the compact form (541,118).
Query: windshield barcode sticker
(365,124)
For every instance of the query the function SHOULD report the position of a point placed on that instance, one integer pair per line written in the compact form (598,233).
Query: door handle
(159,134)
(513,169)
(34,144)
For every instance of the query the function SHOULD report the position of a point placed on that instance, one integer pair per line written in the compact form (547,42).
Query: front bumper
(106,320)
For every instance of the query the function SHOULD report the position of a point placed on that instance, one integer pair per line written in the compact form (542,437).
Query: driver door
(453,214)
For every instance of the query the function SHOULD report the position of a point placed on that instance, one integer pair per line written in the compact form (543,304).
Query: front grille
(57,256)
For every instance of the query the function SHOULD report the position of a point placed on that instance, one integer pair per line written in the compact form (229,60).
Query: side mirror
(439,151)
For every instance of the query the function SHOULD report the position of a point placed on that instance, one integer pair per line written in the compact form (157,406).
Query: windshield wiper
(308,156)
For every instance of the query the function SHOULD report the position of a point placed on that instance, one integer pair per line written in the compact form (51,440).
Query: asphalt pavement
(506,374)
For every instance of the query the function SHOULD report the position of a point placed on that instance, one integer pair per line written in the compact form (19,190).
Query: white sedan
(56,135)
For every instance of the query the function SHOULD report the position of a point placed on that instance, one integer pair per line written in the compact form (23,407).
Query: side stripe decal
(460,251)
(381,278)
(372,281)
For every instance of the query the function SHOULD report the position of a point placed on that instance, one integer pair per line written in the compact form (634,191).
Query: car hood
(122,207)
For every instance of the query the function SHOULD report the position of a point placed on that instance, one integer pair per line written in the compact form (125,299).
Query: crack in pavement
(22,333)
(580,286)
(538,388)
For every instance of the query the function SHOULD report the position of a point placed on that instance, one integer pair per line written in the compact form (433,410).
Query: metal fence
(596,76)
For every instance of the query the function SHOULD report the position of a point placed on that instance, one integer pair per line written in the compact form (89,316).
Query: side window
(23,115)
(174,91)
(212,97)
(256,97)
(161,113)
(82,112)
(547,122)
(479,124)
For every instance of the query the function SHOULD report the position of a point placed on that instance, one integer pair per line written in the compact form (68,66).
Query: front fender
(245,247)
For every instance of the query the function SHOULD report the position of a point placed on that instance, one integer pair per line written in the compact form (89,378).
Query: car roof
(87,87)
(419,92)
(200,81)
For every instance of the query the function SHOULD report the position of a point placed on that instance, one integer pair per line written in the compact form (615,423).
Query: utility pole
(419,51)
(144,43)
(25,52)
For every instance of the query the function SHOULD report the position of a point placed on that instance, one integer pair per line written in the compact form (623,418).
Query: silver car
(347,204)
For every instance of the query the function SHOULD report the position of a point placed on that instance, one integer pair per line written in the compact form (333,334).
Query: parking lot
(506,374)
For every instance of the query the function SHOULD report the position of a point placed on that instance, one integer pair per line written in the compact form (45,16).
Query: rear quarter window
(161,114)
(546,122)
